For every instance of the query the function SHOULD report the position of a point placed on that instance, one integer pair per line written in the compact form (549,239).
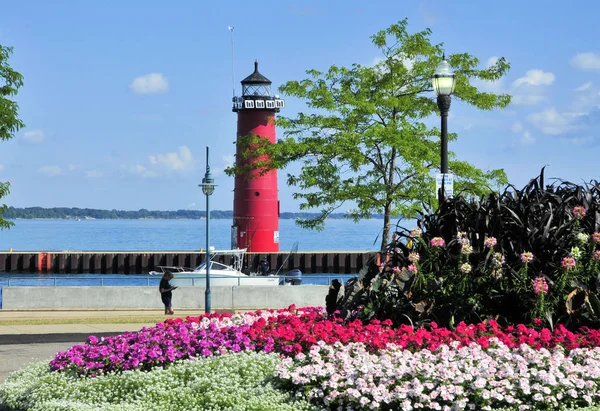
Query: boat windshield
(214,266)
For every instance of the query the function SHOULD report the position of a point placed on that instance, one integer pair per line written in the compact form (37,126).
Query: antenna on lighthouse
(230,28)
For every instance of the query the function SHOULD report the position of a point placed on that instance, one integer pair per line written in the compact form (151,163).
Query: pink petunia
(568,263)
(579,212)
(489,242)
(437,242)
(540,286)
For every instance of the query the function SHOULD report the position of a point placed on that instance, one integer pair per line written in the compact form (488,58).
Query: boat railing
(146,280)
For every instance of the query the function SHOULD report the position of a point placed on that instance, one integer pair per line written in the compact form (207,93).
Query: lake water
(176,235)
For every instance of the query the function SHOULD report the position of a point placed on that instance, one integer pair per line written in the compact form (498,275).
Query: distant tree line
(13,213)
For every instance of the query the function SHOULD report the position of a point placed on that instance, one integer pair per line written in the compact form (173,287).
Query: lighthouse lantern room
(255,197)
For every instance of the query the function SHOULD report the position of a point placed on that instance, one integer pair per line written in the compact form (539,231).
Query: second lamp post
(208,187)
(444,81)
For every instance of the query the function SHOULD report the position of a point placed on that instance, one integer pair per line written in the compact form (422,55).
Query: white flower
(575,252)
(583,237)
(465,268)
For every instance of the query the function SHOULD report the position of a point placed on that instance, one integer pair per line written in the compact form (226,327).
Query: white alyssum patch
(240,381)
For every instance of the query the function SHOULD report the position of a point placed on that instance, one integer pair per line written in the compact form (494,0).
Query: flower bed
(343,365)
(288,332)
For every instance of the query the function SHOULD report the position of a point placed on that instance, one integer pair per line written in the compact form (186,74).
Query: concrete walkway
(80,322)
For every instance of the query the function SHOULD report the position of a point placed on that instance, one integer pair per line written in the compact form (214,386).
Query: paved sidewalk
(76,324)
(76,314)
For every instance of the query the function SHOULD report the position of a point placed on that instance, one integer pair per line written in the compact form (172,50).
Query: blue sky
(121,97)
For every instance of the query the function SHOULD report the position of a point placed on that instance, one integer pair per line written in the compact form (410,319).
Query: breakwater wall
(143,298)
(141,262)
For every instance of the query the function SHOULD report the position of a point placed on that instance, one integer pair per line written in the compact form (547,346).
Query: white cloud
(161,164)
(228,161)
(152,83)
(74,167)
(140,170)
(527,99)
(174,161)
(578,141)
(535,78)
(586,61)
(496,87)
(33,137)
(527,139)
(93,174)
(2,167)
(526,90)
(584,86)
(517,127)
(468,127)
(51,171)
(491,61)
(552,122)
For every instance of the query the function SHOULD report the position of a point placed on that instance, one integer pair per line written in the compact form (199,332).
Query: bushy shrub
(515,256)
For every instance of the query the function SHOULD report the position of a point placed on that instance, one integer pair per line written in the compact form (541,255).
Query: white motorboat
(220,274)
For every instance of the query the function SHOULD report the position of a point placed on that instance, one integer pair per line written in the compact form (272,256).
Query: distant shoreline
(65,213)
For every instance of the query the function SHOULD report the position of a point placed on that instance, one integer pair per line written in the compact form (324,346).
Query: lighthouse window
(256,193)
(260,104)
(256,90)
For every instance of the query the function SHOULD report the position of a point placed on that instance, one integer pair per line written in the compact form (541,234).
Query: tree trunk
(385,236)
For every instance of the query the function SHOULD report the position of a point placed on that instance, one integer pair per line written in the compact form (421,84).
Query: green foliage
(10,82)
(469,280)
(364,141)
(240,381)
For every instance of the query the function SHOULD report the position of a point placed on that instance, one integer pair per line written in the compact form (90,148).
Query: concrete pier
(141,262)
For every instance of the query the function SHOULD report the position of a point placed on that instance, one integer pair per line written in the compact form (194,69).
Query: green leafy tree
(10,81)
(365,142)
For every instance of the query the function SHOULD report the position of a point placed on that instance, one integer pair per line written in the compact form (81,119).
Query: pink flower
(568,263)
(540,286)
(437,242)
(527,257)
(465,268)
(596,255)
(414,257)
(489,242)
(415,233)
(396,269)
(596,238)
(413,268)
(579,212)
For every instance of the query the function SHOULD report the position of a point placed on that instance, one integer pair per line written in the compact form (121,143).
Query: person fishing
(263,266)
(165,289)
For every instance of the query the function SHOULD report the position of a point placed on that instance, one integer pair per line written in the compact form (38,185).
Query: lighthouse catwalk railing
(256,199)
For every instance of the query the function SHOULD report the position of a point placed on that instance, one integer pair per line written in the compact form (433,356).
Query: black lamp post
(444,81)
(208,187)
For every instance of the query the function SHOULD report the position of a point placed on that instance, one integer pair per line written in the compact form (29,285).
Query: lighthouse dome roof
(256,77)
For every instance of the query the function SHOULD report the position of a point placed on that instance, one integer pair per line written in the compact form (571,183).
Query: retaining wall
(134,298)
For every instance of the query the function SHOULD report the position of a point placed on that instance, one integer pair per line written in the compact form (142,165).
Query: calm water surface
(165,235)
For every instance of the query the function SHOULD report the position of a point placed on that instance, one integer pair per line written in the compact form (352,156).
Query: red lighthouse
(255,199)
